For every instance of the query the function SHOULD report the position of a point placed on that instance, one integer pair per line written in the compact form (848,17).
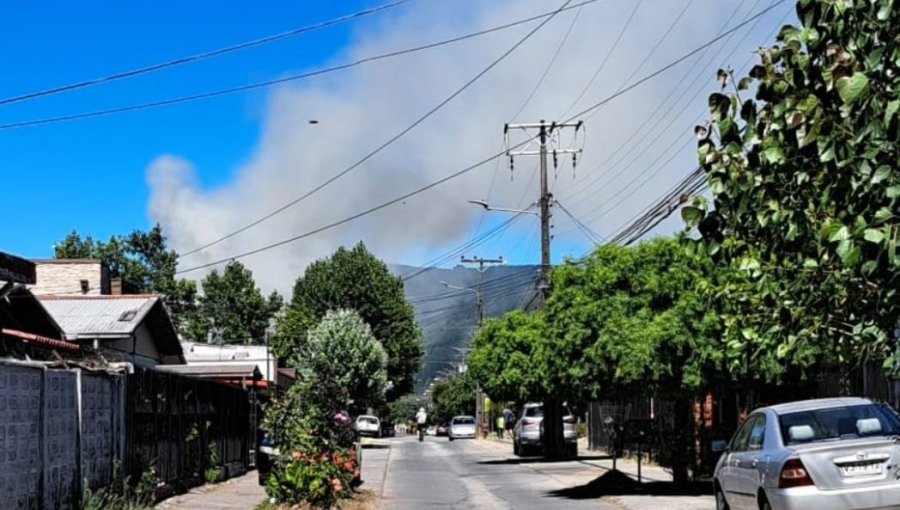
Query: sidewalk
(620,487)
(241,493)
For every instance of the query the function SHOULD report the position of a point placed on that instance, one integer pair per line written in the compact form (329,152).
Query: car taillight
(794,474)
(526,422)
(569,419)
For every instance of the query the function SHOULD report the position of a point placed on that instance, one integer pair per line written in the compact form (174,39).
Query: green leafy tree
(354,279)
(515,360)
(623,322)
(644,314)
(403,409)
(452,397)
(293,324)
(233,308)
(343,350)
(143,261)
(805,188)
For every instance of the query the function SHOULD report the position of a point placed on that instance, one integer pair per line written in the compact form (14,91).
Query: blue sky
(90,174)
(205,168)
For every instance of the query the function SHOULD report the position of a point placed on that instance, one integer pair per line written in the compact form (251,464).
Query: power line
(592,236)
(675,62)
(483,161)
(609,54)
(268,83)
(543,77)
(609,208)
(633,137)
(387,143)
(659,43)
(202,56)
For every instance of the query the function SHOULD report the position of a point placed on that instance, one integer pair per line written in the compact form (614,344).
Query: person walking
(501,425)
(510,418)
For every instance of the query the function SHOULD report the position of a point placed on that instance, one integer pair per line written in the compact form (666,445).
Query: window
(757,433)
(534,412)
(465,420)
(840,422)
(741,439)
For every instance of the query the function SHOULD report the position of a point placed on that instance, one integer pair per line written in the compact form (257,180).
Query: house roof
(16,270)
(20,310)
(93,316)
(106,317)
(217,371)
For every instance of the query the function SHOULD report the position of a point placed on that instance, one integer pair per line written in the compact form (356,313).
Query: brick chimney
(115,286)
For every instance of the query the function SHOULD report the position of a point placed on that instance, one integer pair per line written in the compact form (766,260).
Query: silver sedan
(826,454)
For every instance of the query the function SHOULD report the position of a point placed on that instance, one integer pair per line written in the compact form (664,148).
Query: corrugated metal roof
(99,315)
(212,370)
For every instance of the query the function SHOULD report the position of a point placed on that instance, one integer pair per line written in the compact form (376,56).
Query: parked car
(431,431)
(388,430)
(461,427)
(266,454)
(441,430)
(825,454)
(528,434)
(367,425)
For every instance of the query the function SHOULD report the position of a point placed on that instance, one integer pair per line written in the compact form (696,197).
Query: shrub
(317,479)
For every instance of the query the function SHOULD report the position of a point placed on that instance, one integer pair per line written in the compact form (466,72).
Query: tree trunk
(553,439)
(681,448)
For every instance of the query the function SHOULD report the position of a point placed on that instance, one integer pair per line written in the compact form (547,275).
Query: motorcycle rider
(421,419)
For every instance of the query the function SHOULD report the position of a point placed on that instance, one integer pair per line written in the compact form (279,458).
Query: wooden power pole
(482,265)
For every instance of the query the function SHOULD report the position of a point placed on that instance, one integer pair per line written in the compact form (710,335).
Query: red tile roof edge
(42,340)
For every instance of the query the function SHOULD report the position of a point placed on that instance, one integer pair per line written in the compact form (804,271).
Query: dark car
(442,430)
(265,457)
(387,429)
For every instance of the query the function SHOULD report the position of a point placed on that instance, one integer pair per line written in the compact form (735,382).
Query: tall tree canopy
(233,308)
(805,188)
(452,397)
(143,261)
(625,321)
(354,279)
(342,351)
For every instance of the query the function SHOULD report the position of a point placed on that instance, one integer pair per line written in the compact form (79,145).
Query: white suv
(367,425)
(529,431)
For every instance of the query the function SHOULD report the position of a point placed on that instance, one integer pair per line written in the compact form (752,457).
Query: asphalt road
(470,474)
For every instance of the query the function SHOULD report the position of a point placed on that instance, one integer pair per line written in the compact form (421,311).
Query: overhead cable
(483,161)
(202,56)
(277,81)
(387,143)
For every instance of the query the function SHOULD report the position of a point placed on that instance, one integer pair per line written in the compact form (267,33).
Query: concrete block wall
(20,447)
(102,428)
(60,439)
(43,459)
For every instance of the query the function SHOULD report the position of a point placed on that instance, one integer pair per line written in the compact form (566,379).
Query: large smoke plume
(360,108)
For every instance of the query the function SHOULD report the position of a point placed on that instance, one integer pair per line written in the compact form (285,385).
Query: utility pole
(553,440)
(482,265)
(545,132)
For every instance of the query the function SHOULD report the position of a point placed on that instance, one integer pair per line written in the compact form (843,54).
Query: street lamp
(488,207)
(456,287)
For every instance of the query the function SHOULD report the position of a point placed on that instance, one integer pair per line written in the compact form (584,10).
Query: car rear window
(534,412)
(367,419)
(464,421)
(840,422)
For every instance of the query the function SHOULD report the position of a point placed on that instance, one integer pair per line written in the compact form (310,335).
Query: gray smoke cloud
(361,108)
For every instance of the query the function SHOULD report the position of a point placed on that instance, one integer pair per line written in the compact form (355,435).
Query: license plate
(872,468)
